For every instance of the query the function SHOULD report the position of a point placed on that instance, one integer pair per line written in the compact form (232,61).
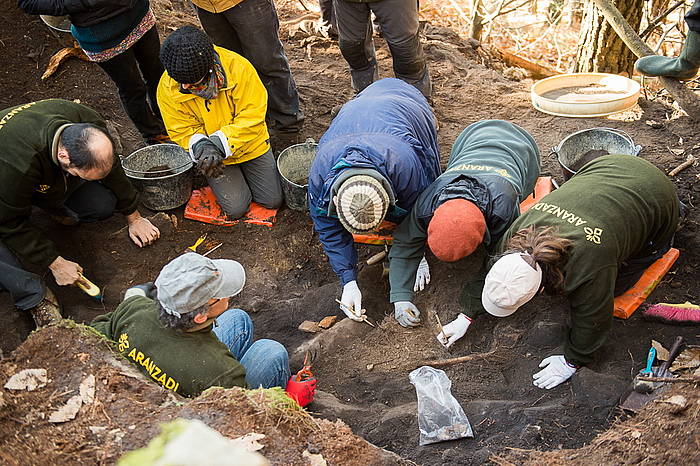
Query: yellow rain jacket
(238,110)
(216,6)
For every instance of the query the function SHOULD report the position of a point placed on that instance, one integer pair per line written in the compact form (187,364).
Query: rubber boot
(684,67)
(47,312)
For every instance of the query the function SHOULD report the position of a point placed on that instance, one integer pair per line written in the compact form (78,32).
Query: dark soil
(128,410)
(158,171)
(289,279)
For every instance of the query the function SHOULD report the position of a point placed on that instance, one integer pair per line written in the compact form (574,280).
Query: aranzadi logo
(123,342)
(43,188)
(593,234)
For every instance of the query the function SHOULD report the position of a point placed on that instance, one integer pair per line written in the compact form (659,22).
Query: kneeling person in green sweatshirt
(589,240)
(167,330)
(493,167)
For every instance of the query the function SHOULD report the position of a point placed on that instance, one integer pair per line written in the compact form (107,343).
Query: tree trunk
(600,49)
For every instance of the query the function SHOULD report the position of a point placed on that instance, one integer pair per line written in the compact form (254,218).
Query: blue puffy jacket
(388,127)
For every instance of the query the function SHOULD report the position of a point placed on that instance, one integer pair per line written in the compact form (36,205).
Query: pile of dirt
(126,410)
(664,432)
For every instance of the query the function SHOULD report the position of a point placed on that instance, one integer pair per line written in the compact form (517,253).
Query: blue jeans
(266,362)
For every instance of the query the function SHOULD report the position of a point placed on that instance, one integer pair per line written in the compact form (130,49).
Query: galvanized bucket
(579,148)
(294,164)
(162,174)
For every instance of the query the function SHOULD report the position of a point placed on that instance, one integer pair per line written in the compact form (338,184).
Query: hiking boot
(47,312)
(159,139)
(683,67)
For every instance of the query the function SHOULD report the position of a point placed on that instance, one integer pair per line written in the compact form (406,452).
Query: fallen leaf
(635,434)
(328,322)
(68,411)
(688,359)
(87,389)
(28,379)
(370,367)
(83,357)
(661,352)
(249,442)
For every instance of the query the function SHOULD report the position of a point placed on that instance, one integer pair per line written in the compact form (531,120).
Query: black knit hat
(187,54)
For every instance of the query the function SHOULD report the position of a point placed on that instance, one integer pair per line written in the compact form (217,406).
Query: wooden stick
(442,331)
(451,361)
(691,379)
(376,258)
(536,71)
(688,163)
(686,98)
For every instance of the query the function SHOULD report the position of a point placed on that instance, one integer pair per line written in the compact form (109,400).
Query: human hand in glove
(422,275)
(208,157)
(352,301)
(406,314)
(556,371)
(454,330)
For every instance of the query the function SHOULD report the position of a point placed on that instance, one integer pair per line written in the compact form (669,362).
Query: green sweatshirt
(30,175)
(184,362)
(612,210)
(495,165)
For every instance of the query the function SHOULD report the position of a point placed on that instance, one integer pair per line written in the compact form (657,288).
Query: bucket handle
(636,148)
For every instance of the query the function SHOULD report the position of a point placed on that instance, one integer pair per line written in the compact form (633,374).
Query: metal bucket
(294,164)
(579,148)
(161,188)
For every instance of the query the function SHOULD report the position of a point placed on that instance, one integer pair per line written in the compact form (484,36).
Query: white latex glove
(406,313)
(454,330)
(556,371)
(422,275)
(352,301)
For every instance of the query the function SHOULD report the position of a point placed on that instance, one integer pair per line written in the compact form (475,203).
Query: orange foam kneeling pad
(627,303)
(542,188)
(203,207)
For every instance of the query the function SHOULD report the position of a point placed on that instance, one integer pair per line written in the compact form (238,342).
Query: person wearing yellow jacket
(213,104)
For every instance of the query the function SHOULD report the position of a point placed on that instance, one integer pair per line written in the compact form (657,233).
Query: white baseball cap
(510,283)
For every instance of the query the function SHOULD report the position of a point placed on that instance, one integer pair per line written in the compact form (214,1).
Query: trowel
(643,392)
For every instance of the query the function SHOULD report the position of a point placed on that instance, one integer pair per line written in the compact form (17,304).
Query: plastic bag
(440,417)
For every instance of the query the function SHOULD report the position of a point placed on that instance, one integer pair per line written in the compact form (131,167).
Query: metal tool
(633,400)
(199,241)
(643,386)
(212,249)
(362,316)
(88,287)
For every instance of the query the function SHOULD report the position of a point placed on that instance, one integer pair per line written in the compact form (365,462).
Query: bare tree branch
(655,22)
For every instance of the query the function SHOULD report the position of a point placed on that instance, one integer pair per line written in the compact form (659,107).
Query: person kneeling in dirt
(590,240)
(378,155)
(213,104)
(493,167)
(56,155)
(168,330)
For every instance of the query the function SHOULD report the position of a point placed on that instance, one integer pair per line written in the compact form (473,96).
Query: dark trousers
(398,21)
(633,268)
(89,202)
(251,29)
(136,72)
(693,17)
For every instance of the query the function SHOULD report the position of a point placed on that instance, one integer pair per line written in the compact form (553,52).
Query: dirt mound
(127,410)
(664,432)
